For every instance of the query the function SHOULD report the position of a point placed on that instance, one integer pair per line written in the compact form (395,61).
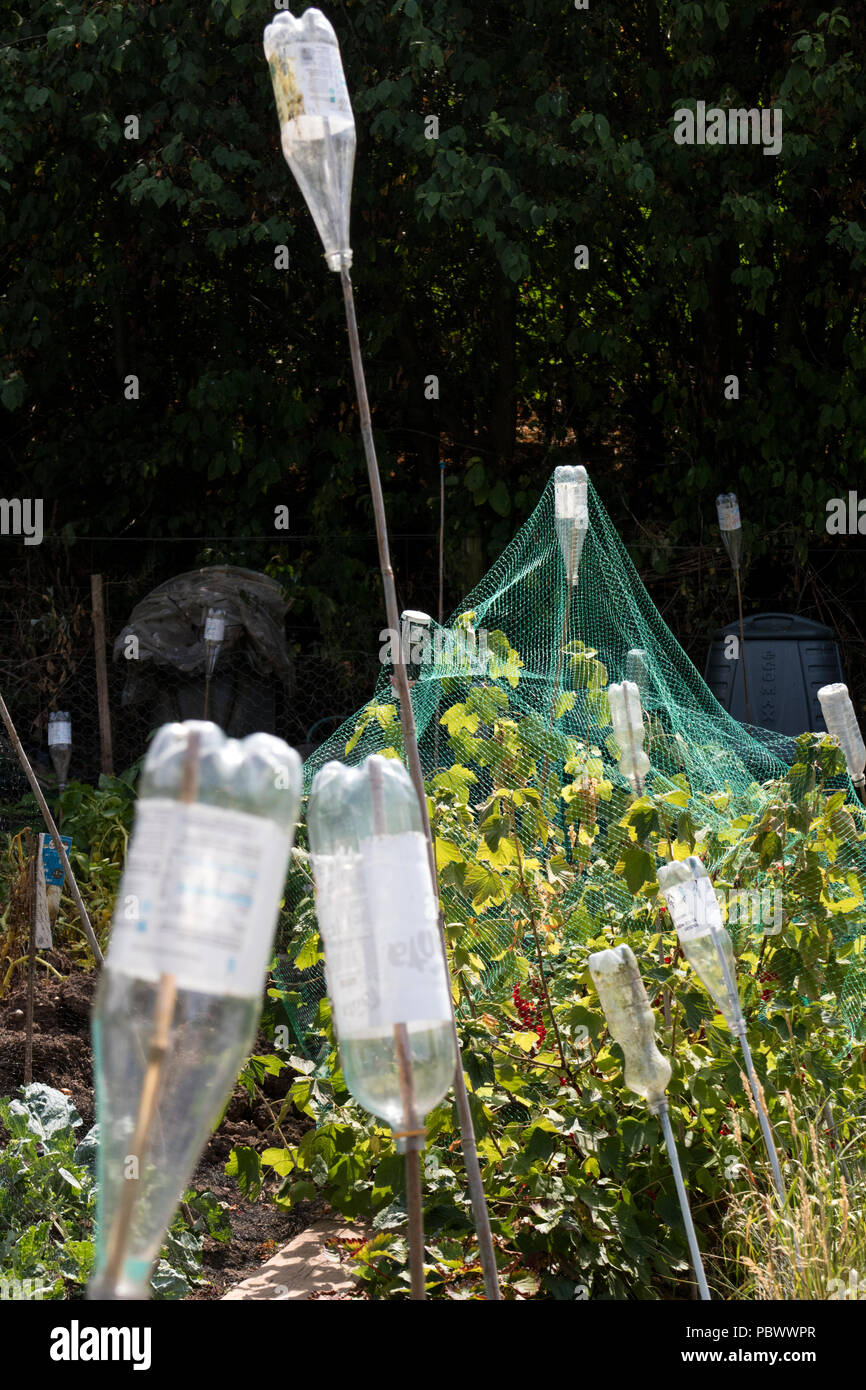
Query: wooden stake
(162,1016)
(32,888)
(105,752)
(412,1140)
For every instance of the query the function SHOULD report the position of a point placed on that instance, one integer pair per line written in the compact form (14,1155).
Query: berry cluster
(531,1015)
(766,978)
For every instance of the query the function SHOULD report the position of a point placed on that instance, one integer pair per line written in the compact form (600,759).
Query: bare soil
(62,1058)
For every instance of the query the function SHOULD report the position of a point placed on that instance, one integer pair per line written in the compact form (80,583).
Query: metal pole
(410,744)
(441,540)
(697,1262)
(743,645)
(740,1030)
(52,829)
(441,596)
(763,1120)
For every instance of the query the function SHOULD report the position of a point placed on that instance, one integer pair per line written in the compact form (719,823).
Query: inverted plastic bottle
(631,1022)
(196,911)
(695,912)
(378,919)
(730,526)
(214,636)
(842,723)
(317,127)
(60,744)
(626,715)
(571,515)
(637,669)
(416,641)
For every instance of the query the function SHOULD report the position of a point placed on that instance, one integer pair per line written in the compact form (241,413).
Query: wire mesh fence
(48,662)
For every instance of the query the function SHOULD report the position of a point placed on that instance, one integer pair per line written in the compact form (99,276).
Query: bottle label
(199,897)
(309,81)
(214,629)
(729,516)
(351,965)
(59,731)
(379,922)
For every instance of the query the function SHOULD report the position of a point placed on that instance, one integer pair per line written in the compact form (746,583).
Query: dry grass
(814,1247)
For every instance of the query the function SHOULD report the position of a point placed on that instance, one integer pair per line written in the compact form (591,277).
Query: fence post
(105,751)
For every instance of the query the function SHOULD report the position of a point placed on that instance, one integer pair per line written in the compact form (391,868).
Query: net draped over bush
(541,841)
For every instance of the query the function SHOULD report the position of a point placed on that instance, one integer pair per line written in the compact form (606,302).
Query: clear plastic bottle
(730,526)
(842,724)
(317,127)
(626,714)
(637,669)
(571,515)
(197,906)
(696,914)
(631,1022)
(60,744)
(378,918)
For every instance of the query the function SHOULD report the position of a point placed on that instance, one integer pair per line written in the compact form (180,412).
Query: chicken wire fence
(523,738)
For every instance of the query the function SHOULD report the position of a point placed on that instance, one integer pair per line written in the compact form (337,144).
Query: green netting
(521,765)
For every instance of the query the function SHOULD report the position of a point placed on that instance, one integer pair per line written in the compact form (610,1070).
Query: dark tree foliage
(154,256)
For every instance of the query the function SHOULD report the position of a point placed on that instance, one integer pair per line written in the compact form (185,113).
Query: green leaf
(639,868)
(280,1160)
(500,498)
(601,126)
(245,1165)
(484,886)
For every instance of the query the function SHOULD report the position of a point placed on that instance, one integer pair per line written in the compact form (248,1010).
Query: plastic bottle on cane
(631,1021)
(377,917)
(180,995)
(317,127)
(695,912)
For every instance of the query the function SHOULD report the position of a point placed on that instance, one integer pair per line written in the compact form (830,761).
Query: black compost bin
(788,659)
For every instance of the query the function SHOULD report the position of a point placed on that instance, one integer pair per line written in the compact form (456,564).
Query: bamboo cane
(410,745)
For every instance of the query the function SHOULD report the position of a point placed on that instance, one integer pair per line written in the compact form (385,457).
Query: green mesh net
(540,839)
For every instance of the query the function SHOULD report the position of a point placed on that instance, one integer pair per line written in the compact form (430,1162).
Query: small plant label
(51,865)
